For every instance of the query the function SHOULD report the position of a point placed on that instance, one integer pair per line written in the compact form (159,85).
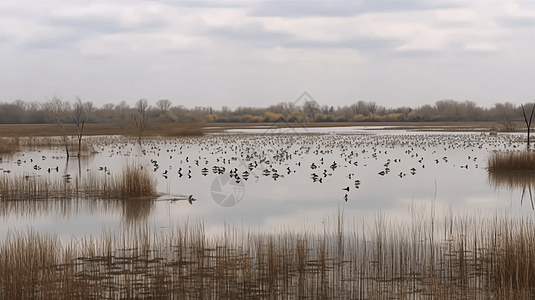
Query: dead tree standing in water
(141,116)
(58,110)
(79,117)
(528,123)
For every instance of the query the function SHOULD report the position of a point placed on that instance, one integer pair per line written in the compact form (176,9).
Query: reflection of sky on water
(292,201)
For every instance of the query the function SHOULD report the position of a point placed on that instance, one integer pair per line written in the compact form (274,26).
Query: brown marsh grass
(50,130)
(176,130)
(512,161)
(132,182)
(459,257)
(136,182)
(9,145)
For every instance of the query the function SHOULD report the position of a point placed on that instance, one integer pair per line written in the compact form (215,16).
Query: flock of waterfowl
(341,159)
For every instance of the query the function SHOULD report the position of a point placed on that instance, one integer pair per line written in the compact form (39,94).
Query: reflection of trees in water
(514,180)
(131,211)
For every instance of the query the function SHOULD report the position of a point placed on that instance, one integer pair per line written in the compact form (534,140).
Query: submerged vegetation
(460,257)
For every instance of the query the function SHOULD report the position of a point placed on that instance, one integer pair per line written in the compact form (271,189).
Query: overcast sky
(258,53)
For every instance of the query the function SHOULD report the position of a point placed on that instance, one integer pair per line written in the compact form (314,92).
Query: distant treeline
(164,111)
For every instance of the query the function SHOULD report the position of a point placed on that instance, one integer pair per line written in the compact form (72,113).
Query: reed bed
(512,161)
(9,145)
(136,182)
(132,182)
(460,257)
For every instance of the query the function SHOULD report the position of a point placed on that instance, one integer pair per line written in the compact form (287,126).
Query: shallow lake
(263,179)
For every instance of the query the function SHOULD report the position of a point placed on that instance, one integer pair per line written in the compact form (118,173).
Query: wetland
(352,212)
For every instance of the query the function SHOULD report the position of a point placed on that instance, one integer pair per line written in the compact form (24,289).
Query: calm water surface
(318,172)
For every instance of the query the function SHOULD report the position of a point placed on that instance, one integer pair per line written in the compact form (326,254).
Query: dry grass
(466,257)
(133,182)
(512,161)
(184,130)
(9,145)
(48,130)
(136,182)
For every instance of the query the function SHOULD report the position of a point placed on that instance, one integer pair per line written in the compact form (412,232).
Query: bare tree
(108,111)
(89,109)
(20,104)
(508,125)
(80,116)
(310,107)
(34,105)
(528,123)
(163,105)
(123,110)
(58,110)
(362,109)
(371,107)
(288,107)
(427,112)
(141,116)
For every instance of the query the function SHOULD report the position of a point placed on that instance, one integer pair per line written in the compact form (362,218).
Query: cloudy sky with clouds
(257,53)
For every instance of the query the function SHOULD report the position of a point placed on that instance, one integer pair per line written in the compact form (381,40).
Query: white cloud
(481,47)
(374,46)
(132,14)
(313,29)
(224,17)
(457,15)
(132,43)
(514,9)
(333,56)
(425,30)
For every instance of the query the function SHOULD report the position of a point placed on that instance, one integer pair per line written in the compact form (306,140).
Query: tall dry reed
(512,161)
(457,257)
(9,145)
(136,181)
